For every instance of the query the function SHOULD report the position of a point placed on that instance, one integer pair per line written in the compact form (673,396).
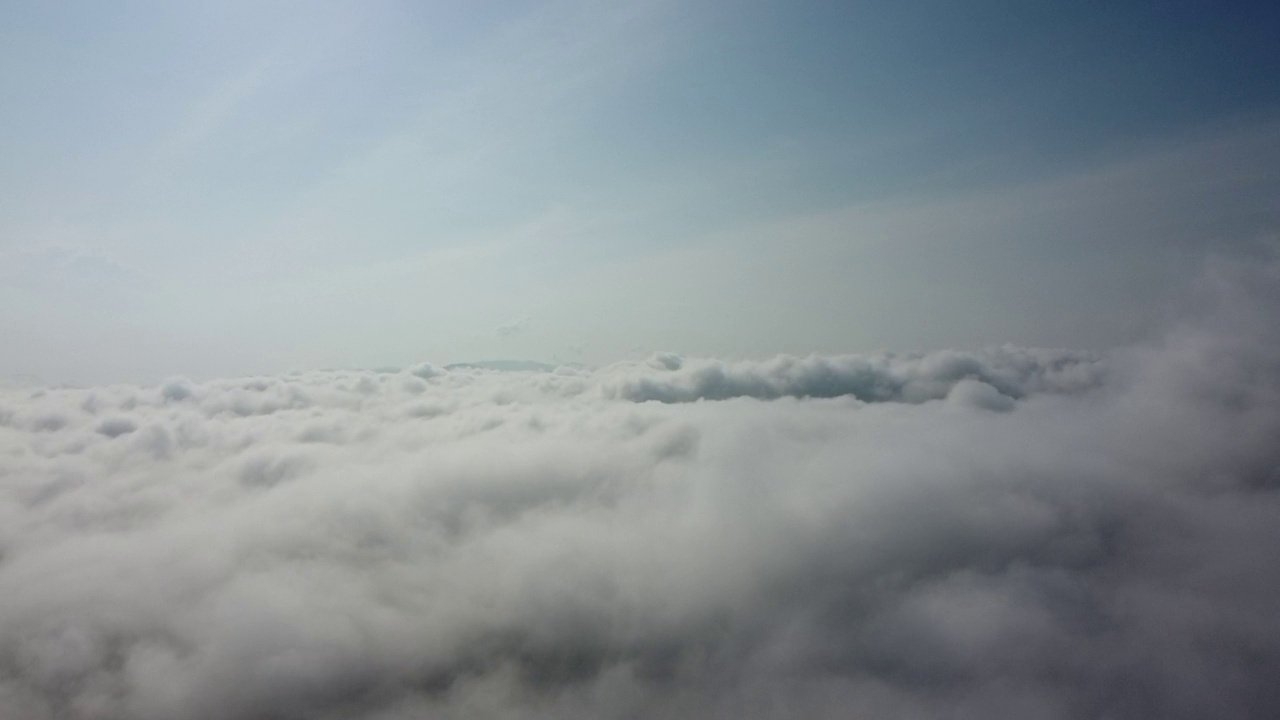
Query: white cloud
(795,537)
(1011,371)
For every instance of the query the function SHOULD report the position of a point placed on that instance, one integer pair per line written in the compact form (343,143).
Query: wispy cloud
(515,327)
(213,110)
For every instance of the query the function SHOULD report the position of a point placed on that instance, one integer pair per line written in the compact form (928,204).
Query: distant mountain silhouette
(503,366)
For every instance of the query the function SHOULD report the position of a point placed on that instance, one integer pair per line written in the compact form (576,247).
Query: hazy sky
(243,187)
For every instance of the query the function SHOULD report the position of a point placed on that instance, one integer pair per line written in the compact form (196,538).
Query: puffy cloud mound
(1015,533)
(1011,371)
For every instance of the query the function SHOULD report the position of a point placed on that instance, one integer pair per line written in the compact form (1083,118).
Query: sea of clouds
(1011,533)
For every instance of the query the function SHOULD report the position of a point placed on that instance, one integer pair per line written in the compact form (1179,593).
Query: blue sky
(236,187)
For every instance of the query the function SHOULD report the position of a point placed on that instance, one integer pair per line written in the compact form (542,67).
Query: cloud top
(1013,372)
(1010,533)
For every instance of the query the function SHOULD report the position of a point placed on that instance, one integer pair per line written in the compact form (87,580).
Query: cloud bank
(1013,533)
(1008,371)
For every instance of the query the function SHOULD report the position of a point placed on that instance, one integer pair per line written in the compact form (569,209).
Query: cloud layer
(1014,533)
(1008,371)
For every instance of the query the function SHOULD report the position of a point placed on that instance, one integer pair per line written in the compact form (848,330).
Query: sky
(235,187)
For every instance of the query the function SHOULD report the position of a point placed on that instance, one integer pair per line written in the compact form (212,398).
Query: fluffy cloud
(1009,371)
(1014,533)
